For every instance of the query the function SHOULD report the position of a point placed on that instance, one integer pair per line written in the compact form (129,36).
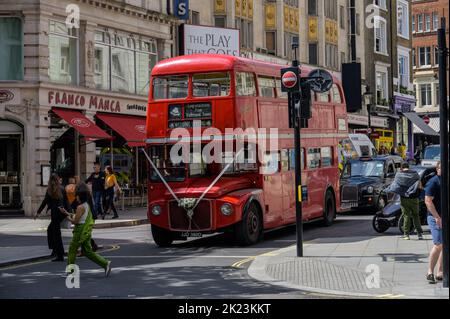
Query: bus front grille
(201,221)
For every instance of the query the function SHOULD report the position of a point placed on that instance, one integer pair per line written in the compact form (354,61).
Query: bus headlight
(156,210)
(226,209)
(370,189)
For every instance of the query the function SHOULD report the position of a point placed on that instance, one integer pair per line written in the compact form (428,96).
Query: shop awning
(82,124)
(419,122)
(434,124)
(131,128)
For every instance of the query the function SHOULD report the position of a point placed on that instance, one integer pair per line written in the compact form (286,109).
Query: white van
(359,145)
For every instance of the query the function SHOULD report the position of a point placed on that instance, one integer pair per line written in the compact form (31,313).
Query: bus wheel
(162,237)
(249,230)
(329,212)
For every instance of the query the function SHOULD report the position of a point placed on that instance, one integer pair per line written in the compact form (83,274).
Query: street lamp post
(368,97)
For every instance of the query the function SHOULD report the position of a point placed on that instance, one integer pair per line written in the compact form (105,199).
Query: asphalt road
(210,267)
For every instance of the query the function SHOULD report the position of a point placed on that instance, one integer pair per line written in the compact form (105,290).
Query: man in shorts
(433,202)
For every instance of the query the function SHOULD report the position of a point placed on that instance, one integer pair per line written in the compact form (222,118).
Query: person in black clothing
(55,197)
(97,179)
(417,155)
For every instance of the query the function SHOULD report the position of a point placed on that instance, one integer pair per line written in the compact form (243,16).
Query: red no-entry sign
(289,79)
(426,119)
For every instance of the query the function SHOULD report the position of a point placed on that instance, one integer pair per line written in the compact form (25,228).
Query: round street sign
(426,119)
(289,79)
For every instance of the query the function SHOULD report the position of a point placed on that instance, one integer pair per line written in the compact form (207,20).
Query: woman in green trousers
(84,222)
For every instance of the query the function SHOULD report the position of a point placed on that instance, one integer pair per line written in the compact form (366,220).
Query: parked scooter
(391,215)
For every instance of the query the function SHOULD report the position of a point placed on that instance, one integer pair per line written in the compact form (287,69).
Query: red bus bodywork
(272,195)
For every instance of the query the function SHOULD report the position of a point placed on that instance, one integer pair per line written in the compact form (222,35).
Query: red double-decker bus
(193,197)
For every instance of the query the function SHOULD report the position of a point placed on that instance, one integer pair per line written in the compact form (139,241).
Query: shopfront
(11,141)
(405,104)
(88,126)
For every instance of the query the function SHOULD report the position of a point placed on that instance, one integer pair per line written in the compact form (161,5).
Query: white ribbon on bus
(190,207)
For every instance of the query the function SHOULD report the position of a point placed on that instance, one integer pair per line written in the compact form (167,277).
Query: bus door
(273,189)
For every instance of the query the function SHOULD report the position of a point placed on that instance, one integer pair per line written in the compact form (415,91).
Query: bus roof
(197,63)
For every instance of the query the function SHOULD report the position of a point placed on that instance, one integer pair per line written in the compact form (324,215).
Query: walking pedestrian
(82,233)
(55,198)
(433,203)
(97,180)
(70,190)
(110,185)
(417,155)
(407,184)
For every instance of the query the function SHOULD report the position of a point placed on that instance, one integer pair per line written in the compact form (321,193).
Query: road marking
(179,256)
(38,262)
(272,253)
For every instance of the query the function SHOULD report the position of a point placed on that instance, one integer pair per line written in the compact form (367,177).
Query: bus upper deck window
(336,94)
(245,84)
(211,84)
(266,86)
(170,87)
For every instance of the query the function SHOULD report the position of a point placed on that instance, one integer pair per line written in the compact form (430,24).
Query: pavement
(32,249)
(383,266)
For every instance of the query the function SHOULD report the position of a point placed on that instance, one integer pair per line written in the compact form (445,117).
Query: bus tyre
(329,213)
(249,231)
(162,237)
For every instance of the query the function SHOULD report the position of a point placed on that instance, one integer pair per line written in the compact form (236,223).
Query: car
(391,215)
(363,180)
(432,156)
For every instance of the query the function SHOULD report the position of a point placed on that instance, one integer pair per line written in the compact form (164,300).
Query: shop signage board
(86,101)
(202,39)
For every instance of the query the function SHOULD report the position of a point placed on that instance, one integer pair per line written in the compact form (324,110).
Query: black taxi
(363,180)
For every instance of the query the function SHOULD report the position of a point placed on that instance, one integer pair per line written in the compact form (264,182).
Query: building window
(435,21)
(358,27)
(342,16)
(380,36)
(63,53)
(195,17)
(11,49)
(436,55)
(331,56)
(288,40)
(425,94)
(420,23)
(123,62)
(246,27)
(382,90)
(380,3)
(438,97)
(403,19)
(312,7)
(271,42)
(331,9)
(403,71)
(313,54)
(220,21)
(425,56)
(414,59)
(428,23)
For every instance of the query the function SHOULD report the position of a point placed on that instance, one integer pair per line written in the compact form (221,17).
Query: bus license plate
(189,234)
